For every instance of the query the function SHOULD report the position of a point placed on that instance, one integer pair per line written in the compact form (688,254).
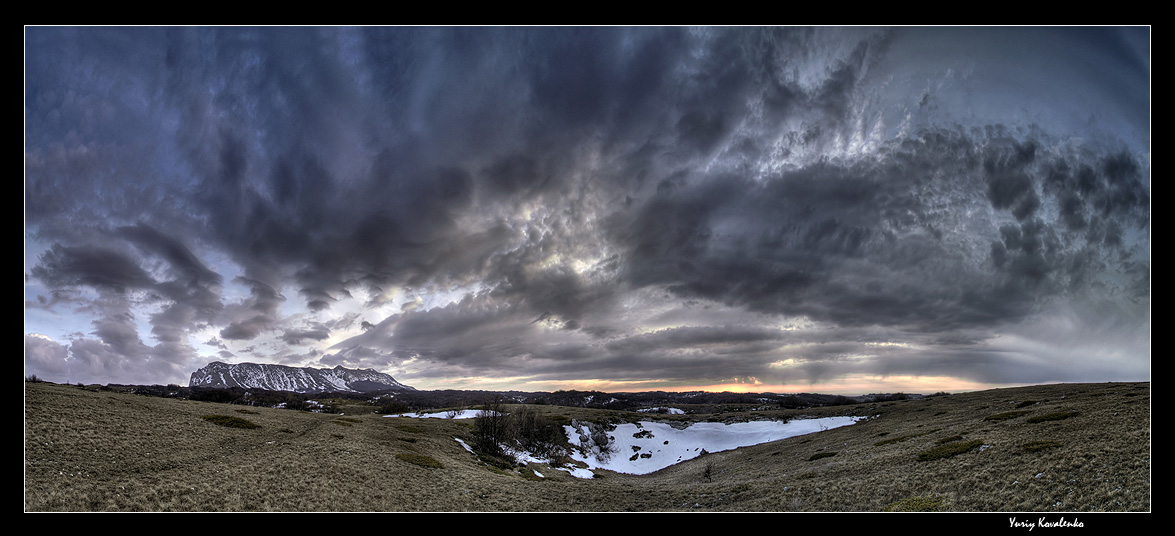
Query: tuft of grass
(230,421)
(499,463)
(1033,446)
(1005,415)
(894,440)
(1026,403)
(948,450)
(421,460)
(1053,416)
(819,455)
(923,503)
(559,419)
(248,412)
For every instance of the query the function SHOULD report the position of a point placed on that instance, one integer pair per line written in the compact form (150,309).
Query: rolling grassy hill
(1050,448)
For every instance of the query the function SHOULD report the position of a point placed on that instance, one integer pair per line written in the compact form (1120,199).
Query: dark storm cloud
(864,245)
(315,332)
(593,202)
(254,315)
(93,266)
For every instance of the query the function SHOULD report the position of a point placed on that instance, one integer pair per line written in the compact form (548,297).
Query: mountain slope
(298,380)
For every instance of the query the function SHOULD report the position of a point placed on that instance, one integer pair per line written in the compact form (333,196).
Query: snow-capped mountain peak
(299,380)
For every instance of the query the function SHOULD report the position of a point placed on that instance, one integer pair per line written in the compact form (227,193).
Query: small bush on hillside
(894,440)
(820,455)
(421,460)
(1005,415)
(230,421)
(1033,446)
(497,462)
(948,450)
(925,503)
(1053,416)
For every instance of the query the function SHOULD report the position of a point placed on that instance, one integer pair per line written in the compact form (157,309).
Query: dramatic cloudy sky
(842,210)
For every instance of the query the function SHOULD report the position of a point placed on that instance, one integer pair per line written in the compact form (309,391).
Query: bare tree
(490,426)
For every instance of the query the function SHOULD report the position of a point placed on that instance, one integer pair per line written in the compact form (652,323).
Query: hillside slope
(89,450)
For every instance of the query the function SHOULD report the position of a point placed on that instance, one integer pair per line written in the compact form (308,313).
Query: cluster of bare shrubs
(521,428)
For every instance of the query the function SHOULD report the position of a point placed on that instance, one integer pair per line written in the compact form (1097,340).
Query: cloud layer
(623,208)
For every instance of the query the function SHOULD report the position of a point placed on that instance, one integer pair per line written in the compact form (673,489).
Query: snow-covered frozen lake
(644,447)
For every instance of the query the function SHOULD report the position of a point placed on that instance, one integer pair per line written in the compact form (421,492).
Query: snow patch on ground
(644,447)
(462,414)
(669,411)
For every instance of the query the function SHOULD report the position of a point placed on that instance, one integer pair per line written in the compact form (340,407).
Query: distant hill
(294,379)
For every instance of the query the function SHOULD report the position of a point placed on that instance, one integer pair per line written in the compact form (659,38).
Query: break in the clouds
(828,209)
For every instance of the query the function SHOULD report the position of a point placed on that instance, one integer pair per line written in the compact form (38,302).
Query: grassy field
(1049,449)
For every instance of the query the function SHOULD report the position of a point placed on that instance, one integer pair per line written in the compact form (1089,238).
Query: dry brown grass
(101,451)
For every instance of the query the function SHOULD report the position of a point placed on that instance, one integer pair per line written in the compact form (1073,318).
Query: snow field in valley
(644,447)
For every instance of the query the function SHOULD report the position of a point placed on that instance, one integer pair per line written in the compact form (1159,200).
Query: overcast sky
(840,210)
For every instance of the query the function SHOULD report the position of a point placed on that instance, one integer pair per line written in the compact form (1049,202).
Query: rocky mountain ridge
(295,379)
